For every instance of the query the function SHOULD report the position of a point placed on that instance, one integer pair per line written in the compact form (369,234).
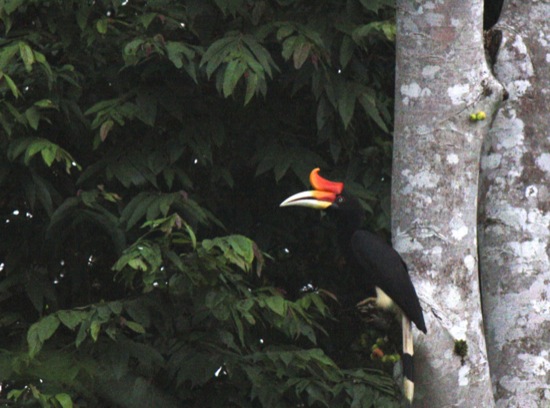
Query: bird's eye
(340,200)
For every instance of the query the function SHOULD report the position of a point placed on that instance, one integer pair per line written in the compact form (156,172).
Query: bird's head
(326,194)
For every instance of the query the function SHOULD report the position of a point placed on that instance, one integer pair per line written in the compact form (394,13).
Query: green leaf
(363,31)
(102,25)
(286,358)
(82,14)
(260,54)
(252,81)
(136,209)
(284,32)
(387,28)
(7,53)
(197,368)
(15,394)
(10,6)
(146,19)
(95,327)
(45,103)
(41,59)
(35,146)
(346,51)
(103,105)
(234,71)
(47,327)
(131,52)
(368,102)
(41,331)
(81,336)
(346,105)
(282,166)
(289,46)
(105,129)
(301,52)
(335,148)
(116,307)
(191,234)
(324,112)
(147,108)
(243,247)
(137,264)
(33,341)
(239,325)
(277,304)
(64,400)
(376,5)
(48,155)
(71,318)
(136,327)
(318,301)
(138,312)
(390,30)
(26,55)
(179,53)
(43,192)
(13,88)
(216,53)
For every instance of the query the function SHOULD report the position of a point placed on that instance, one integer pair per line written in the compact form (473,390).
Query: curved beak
(319,200)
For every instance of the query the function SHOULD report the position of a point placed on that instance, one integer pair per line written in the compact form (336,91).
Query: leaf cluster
(146,146)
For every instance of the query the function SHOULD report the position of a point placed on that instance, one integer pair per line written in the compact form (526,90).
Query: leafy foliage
(146,146)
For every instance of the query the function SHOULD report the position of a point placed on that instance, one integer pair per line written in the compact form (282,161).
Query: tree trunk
(442,78)
(515,212)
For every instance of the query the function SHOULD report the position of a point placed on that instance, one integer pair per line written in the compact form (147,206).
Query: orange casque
(323,185)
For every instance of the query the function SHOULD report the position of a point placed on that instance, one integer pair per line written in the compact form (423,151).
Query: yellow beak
(316,199)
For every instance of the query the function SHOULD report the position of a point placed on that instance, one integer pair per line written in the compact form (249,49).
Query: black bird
(381,264)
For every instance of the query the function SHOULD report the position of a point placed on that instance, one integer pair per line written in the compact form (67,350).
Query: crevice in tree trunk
(491,13)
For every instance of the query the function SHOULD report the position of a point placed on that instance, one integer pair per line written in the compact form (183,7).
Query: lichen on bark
(442,78)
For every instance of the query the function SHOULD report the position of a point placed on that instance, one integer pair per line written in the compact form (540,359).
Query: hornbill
(381,265)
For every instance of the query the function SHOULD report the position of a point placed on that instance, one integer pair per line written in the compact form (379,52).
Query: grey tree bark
(515,212)
(442,78)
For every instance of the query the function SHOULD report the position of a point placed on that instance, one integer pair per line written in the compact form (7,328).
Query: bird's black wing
(389,272)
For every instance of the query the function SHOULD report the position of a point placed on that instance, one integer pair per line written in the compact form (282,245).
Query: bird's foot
(366,304)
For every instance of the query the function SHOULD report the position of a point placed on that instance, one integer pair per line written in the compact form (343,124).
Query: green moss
(461,349)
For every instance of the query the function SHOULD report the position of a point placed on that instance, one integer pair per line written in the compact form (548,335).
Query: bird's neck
(348,222)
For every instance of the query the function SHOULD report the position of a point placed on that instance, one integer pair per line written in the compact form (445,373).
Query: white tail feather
(408,352)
